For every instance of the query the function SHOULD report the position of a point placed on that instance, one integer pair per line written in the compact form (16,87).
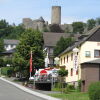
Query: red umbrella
(43,72)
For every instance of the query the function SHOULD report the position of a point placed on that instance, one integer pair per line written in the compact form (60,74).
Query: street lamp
(75,50)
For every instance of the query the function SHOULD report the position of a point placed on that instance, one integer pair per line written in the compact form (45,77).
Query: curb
(30,91)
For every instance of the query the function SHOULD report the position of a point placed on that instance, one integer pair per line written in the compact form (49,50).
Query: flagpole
(30,74)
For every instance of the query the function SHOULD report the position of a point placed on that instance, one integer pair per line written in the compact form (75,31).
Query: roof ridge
(90,33)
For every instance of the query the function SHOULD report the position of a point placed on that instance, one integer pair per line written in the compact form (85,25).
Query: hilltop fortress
(41,24)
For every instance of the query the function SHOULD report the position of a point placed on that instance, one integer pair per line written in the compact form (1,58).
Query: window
(67,74)
(61,60)
(96,53)
(64,60)
(51,50)
(77,72)
(6,46)
(87,54)
(12,45)
(71,56)
(71,71)
(67,58)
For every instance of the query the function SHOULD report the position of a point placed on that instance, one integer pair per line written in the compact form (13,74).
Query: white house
(10,44)
(84,50)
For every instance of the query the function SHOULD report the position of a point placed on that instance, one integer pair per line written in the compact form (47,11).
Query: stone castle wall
(34,24)
(40,25)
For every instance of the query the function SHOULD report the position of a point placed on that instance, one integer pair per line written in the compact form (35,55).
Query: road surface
(10,92)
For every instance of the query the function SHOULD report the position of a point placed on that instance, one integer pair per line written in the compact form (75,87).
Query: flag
(31,62)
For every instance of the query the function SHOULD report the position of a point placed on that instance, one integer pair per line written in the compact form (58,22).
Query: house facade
(88,49)
(50,41)
(10,44)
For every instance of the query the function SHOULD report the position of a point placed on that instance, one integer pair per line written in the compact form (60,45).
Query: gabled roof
(77,44)
(7,41)
(50,39)
(8,52)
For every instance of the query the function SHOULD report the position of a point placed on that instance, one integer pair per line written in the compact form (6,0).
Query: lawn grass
(72,96)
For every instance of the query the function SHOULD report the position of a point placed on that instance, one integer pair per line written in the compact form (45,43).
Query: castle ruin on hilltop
(41,24)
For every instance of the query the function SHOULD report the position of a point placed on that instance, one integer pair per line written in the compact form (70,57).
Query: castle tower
(56,15)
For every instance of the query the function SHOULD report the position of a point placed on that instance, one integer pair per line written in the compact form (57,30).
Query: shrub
(17,69)
(79,85)
(7,71)
(94,91)
(63,72)
(69,88)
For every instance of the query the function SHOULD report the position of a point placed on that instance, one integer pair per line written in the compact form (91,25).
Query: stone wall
(34,24)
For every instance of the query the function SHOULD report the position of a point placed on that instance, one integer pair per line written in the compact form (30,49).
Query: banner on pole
(31,62)
(75,61)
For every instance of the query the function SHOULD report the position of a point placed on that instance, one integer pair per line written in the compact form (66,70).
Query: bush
(94,91)
(79,85)
(7,71)
(69,88)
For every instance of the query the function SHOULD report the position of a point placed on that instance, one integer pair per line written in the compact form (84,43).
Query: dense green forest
(8,31)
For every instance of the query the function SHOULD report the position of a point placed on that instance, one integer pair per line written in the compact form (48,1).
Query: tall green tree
(30,41)
(78,27)
(1,45)
(91,24)
(62,44)
(5,28)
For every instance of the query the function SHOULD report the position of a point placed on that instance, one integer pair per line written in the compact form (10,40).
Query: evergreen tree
(62,44)
(30,41)
(1,45)
(5,28)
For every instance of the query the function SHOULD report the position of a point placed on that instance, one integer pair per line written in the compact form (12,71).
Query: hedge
(7,71)
(94,91)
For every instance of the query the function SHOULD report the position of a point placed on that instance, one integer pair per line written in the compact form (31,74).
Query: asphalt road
(10,92)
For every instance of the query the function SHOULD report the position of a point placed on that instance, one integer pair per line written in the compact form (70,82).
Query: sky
(72,10)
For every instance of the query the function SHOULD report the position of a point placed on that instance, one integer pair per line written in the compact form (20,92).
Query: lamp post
(56,62)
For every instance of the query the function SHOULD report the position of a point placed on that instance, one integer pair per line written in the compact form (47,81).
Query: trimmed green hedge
(94,91)
(7,71)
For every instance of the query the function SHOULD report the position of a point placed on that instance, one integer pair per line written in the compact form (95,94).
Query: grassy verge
(72,96)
